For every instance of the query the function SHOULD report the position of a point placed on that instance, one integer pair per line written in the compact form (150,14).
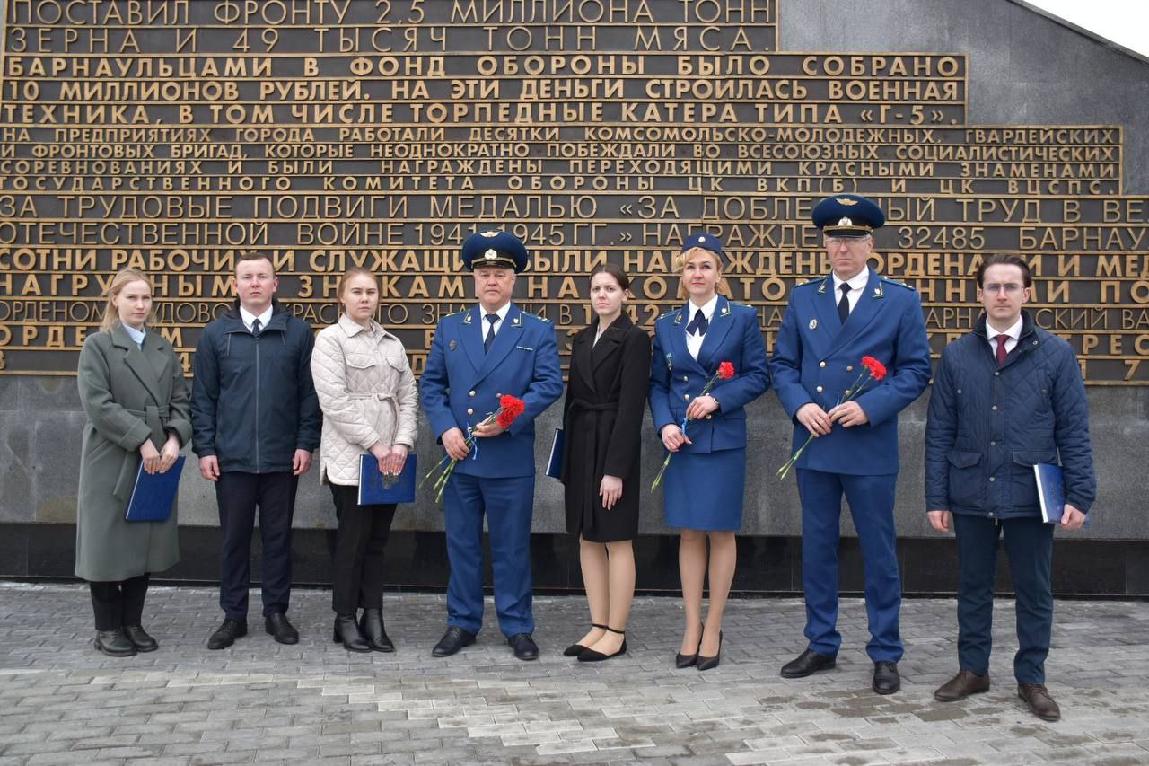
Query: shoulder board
(810,283)
(535,317)
(670,313)
(888,280)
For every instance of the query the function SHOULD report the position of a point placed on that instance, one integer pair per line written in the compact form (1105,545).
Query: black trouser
(357,580)
(119,603)
(238,494)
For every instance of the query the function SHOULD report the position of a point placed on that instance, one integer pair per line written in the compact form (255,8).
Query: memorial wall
(171,136)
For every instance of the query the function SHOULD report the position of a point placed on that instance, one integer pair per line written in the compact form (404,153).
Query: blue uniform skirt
(703,491)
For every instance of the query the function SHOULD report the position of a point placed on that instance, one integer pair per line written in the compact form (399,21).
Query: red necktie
(1001,339)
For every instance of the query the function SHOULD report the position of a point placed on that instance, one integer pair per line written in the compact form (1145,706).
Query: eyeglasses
(1009,288)
(847,241)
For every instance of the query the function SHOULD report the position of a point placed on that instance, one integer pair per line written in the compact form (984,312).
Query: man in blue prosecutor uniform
(829,325)
(477,356)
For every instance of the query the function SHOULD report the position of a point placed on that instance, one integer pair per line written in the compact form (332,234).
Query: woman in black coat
(602,423)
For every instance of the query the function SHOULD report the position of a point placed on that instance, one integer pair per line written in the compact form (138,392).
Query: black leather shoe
(524,646)
(347,633)
(574,650)
(682,661)
(807,663)
(452,641)
(114,643)
(140,638)
(965,683)
(886,678)
(706,663)
(590,655)
(371,626)
(226,634)
(280,629)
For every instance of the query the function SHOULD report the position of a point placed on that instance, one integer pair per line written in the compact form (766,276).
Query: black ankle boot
(347,633)
(371,626)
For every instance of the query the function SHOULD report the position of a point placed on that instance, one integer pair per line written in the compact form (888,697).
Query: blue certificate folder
(1050,491)
(555,460)
(374,491)
(154,493)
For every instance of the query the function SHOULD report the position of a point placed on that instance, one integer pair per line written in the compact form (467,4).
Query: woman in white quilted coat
(367,393)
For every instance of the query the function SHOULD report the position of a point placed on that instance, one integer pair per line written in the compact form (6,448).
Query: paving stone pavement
(258,702)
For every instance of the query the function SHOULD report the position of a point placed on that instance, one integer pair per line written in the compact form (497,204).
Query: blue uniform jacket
(816,359)
(988,426)
(461,386)
(676,377)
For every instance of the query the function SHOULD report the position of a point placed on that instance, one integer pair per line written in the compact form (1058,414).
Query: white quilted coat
(367,393)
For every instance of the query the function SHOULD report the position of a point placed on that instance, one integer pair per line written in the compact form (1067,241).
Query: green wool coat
(129,395)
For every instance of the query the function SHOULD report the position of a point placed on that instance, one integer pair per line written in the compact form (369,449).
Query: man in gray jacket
(1006,396)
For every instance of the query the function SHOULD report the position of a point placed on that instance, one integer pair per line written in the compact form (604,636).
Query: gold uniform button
(686,397)
(822,363)
(470,393)
(470,411)
(685,378)
(498,395)
(818,389)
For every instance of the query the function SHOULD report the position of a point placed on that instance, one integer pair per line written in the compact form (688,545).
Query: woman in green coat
(135,397)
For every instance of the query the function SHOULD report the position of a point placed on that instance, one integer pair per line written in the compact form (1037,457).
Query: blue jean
(1029,548)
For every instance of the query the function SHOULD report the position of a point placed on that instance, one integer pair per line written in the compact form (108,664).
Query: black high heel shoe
(574,650)
(706,663)
(686,660)
(590,655)
(347,633)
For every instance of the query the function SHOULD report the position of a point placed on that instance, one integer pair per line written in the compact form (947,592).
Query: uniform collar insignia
(678,318)
(726,309)
(467,318)
(878,293)
(518,320)
(822,287)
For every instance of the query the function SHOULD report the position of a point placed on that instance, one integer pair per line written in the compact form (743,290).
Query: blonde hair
(123,278)
(351,273)
(679,262)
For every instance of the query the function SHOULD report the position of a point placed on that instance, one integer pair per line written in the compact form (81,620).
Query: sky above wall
(1125,22)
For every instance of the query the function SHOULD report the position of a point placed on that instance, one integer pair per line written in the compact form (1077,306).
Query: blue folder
(555,460)
(376,489)
(1050,491)
(154,493)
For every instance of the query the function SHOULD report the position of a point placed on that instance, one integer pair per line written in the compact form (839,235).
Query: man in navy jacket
(255,421)
(1006,396)
(830,324)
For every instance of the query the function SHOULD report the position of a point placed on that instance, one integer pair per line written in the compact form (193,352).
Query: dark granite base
(766,565)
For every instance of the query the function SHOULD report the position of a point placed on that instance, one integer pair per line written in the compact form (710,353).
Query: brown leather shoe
(961,686)
(1039,701)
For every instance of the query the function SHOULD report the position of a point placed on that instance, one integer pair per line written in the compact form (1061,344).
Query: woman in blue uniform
(703,486)
(602,421)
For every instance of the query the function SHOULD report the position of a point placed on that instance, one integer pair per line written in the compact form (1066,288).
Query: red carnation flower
(726,371)
(510,408)
(876,368)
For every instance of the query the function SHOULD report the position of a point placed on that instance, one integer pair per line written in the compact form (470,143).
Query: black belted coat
(602,421)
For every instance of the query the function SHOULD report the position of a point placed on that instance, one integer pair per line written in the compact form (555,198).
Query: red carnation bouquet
(510,407)
(725,371)
(873,370)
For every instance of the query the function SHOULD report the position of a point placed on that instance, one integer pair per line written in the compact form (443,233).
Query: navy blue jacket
(253,402)
(987,427)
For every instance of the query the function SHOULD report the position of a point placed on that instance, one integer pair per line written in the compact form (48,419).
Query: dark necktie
(698,325)
(255,327)
(1001,339)
(492,318)
(844,304)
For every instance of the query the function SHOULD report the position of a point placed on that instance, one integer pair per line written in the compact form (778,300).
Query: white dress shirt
(857,285)
(249,317)
(502,316)
(134,334)
(694,341)
(1013,335)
